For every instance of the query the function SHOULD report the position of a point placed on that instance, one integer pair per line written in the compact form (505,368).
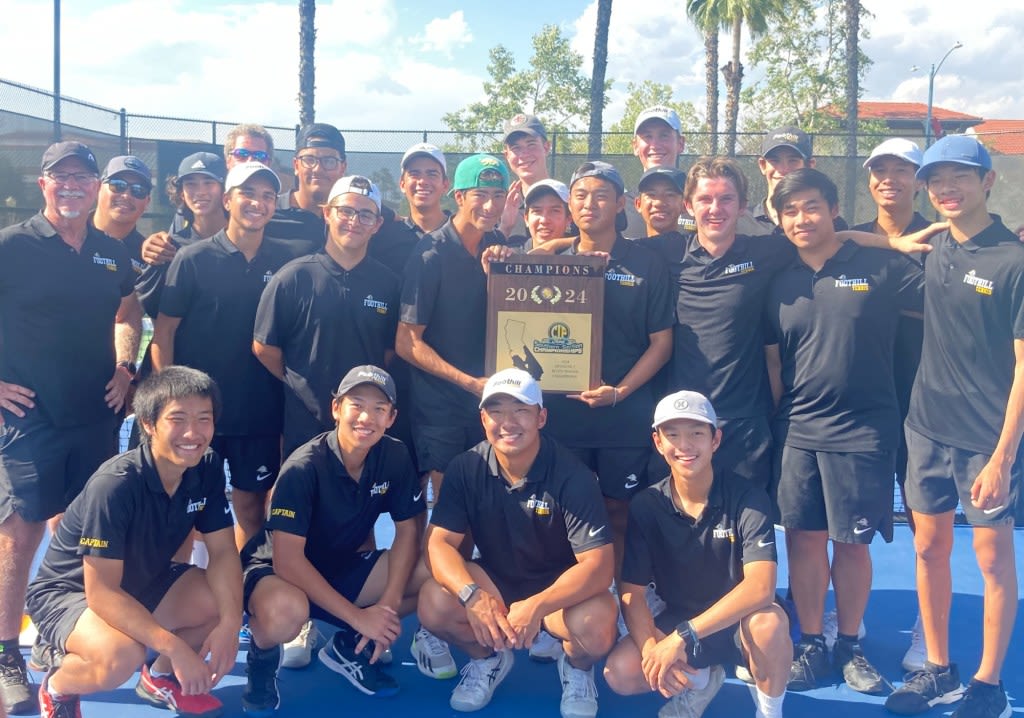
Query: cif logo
(559,330)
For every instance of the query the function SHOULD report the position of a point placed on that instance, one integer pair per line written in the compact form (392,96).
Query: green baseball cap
(480,171)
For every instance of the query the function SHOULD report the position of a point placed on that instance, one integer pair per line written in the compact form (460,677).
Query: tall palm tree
(307,71)
(604,20)
(703,14)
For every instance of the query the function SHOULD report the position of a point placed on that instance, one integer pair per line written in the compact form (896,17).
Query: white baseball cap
(685,405)
(659,112)
(515,383)
(425,149)
(355,184)
(240,174)
(550,185)
(897,147)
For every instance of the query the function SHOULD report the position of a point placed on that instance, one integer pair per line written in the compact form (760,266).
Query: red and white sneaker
(63,707)
(165,692)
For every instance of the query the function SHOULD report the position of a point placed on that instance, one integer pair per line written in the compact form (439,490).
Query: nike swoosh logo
(989,512)
(262,477)
(595,532)
(764,544)
(417,497)
(227,509)
(857,531)
(632,481)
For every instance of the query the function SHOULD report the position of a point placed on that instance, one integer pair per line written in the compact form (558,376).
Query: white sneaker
(830,627)
(298,652)
(917,654)
(743,674)
(579,694)
(692,703)
(655,603)
(479,679)
(432,655)
(546,648)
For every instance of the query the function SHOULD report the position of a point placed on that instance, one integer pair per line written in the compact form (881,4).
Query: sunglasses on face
(119,186)
(245,155)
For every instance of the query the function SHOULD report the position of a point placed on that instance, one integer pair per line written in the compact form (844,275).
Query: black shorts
(348,578)
(436,446)
(718,649)
(746,451)
(939,476)
(847,494)
(55,612)
(253,461)
(44,467)
(621,471)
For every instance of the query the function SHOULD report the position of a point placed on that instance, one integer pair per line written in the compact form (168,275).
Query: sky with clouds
(401,64)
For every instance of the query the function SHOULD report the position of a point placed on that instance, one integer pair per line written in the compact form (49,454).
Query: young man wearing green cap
(442,324)
(964,426)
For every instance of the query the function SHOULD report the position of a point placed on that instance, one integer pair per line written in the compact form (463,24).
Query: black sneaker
(983,700)
(340,656)
(15,689)
(810,667)
(44,656)
(924,689)
(261,697)
(848,659)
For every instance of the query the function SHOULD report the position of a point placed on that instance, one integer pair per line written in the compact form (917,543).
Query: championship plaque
(544,315)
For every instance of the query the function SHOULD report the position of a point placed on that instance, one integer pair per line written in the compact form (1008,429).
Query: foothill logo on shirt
(623,276)
(858,284)
(375,304)
(194,506)
(380,489)
(721,532)
(740,268)
(267,276)
(105,262)
(538,506)
(981,286)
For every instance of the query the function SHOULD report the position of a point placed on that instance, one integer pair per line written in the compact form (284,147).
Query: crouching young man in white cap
(308,561)
(706,538)
(546,560)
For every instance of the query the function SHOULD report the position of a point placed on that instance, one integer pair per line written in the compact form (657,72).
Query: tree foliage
(804,62)
(642,96)
(552,86)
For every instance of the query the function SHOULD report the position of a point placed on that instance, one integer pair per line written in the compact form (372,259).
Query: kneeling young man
(706,538)
(538,519)
(108,589)
(306,562)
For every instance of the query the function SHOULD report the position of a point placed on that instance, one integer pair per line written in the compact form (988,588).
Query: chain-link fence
(27,127)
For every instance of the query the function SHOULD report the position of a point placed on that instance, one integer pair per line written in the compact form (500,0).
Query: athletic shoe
(848,659)
(15,689)
(165,692)
(432,655)
(62,707)
(298,652)
(546,648)
(370,678)
(924,689)
(261,697)
(479,679)
(44,656)
(743,674)
(917,654)
(579,694)
(830,629)
(691,703)
(810,667)
(655,604)
(983,700)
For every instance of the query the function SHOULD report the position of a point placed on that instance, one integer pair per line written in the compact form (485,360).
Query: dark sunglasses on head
(246,155)
(119,186)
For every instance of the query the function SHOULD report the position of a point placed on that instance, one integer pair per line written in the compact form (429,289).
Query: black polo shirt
(215,291)
(124,513)
(57,309)
(637,303)
(394,242)
(305,231)
(149,284)
(315,497)
(909,333)
(445,290)
(529,533)
(326,320)
(835,329)
(718,340)
(974,310)
(133,241)
(695,562)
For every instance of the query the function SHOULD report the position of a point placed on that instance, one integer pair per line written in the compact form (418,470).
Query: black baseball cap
(128,163)
(601,170)
(320,134)
(62,150)
(527,124)
(368,374)
(788,136)
(675,176)
(202,163)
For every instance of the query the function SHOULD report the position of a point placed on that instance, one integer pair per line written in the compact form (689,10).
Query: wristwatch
(684,629)
(466,593)
(130,366)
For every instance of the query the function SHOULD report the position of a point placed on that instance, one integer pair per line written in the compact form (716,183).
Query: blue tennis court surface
(533,689)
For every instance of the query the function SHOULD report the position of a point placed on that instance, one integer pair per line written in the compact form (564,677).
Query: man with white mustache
(69,328)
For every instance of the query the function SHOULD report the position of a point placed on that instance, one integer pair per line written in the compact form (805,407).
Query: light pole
(931,93)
